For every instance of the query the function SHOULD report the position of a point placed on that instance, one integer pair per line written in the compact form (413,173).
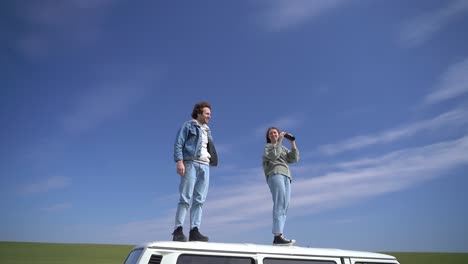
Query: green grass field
(51,253)
(430,258)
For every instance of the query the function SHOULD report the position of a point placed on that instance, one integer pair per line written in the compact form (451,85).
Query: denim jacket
(187,146)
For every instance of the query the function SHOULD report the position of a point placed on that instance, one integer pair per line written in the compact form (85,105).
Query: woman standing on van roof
(276,158)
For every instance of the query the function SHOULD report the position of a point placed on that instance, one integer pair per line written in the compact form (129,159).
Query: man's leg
(186,186)
(199,194)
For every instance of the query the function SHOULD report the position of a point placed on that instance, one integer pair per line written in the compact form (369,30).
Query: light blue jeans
(280,188)
(193,188)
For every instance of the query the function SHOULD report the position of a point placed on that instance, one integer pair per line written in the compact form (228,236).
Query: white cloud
(284,14)
(111,98)
(140,231)
(451,118)
(51,22)
(420,29)
(453,83)
(237,209)
(57,207)
(46,185)
(395,171)
(360,179)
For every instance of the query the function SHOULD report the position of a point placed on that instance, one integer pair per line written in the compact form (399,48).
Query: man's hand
(180,168)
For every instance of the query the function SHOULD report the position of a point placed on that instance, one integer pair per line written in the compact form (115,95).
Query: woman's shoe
(282,241)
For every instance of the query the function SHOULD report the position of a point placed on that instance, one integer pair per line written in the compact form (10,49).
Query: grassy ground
(50,253)
(430,258)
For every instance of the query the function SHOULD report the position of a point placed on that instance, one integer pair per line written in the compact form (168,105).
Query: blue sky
(376,92)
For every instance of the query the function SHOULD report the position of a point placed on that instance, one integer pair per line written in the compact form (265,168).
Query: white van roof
(260,249)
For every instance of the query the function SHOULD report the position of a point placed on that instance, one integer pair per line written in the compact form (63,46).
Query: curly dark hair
(268,131)
(198,108)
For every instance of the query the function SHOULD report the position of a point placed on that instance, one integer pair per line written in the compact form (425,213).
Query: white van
(229,253)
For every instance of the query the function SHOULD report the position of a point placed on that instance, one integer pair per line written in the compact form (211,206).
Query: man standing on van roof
(194,152)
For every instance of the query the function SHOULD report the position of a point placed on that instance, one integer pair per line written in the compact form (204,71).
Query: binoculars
(289,136)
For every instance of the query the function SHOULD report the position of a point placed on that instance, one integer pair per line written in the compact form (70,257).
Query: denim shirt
(187,146)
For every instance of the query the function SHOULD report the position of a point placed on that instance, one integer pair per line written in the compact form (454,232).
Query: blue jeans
(280,188)
(193,187)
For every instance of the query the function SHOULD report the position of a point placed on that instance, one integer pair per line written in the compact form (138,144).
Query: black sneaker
(282,241)
(178,235)
(196,236)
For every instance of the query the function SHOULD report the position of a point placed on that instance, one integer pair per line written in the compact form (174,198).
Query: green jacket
(276,158)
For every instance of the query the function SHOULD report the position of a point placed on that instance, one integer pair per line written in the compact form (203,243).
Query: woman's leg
(281,193)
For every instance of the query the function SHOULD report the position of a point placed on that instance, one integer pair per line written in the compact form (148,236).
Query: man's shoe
(282,241)
(178,235)
(196,236)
